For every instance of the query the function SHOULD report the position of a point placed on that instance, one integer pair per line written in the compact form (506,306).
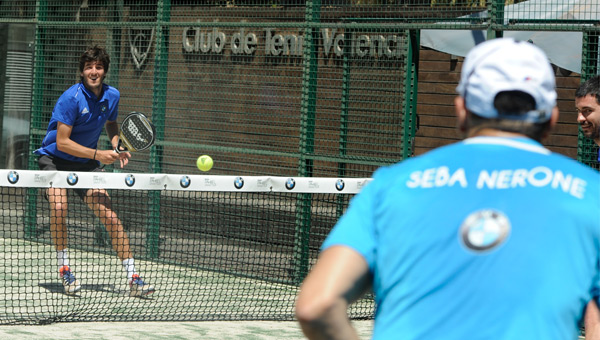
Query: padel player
(71,144)
(493,237)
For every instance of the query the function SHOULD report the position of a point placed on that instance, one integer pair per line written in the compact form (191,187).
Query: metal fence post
(159,102)
(35,139)
(496,11)
(307,135)
(410,93)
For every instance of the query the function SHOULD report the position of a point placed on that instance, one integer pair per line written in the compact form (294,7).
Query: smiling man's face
(93,75)
(588,116)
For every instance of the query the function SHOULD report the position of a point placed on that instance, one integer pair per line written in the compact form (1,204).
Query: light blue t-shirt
(489,238)
(81,109)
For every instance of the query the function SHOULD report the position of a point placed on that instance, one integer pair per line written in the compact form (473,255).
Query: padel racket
(137,133)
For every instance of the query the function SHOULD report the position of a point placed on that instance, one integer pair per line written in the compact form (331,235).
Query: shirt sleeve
(65,110)
(356,228)
(115,109)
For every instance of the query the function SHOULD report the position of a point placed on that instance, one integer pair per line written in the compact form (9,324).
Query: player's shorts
(50,163)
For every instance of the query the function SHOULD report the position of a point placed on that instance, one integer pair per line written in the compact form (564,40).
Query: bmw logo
(13,177)
(339,185)
(129,180)
(72,178)
(185,181)
(238,182)
(290,184)
(484,230)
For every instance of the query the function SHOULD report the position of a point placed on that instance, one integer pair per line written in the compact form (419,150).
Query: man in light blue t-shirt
(71,144)
(494,237)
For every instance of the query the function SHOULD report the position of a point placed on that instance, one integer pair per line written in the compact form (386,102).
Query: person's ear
(554,117)
(461,113)
(553,121)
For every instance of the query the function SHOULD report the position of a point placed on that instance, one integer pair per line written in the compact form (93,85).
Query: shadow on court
(57,288)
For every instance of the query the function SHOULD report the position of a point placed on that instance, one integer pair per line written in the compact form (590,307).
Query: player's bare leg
(57,198)
(100,203)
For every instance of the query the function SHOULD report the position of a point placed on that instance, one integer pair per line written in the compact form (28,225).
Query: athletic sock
(63,258)
(129,266)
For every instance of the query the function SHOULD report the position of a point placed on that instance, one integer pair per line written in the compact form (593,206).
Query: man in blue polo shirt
(494,237)
(71,144)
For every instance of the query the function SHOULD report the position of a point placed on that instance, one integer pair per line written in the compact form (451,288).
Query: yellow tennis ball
(204,163)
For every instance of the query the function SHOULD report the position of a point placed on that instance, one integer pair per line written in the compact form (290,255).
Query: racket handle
(118,147)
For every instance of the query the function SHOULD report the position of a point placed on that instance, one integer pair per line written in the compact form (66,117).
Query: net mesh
(223,254)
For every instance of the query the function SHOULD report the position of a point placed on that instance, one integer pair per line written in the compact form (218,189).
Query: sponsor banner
(145,181)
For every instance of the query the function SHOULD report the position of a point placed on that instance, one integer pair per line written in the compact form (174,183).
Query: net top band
(147,181)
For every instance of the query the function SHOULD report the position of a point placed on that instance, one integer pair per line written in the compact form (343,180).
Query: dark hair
(94,53)
(589,87)
(511,103)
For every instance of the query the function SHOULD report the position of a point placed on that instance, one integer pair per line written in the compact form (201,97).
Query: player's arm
(340,276)
(65,144)
(592,321)
(112,131)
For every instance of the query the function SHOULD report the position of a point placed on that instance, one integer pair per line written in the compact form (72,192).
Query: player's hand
(110,156)
(124,158)
(106,156)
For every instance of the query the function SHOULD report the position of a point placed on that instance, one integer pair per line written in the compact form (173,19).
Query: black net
(209,255)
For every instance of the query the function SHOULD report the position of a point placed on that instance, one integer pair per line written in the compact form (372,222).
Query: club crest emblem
(140,42)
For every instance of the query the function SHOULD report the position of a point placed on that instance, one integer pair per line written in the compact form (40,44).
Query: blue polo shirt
(80,108)
(489,238)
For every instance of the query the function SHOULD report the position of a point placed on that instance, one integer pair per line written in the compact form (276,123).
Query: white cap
(505,64)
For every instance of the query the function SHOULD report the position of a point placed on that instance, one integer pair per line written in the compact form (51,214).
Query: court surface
(209,330)
(36,289)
